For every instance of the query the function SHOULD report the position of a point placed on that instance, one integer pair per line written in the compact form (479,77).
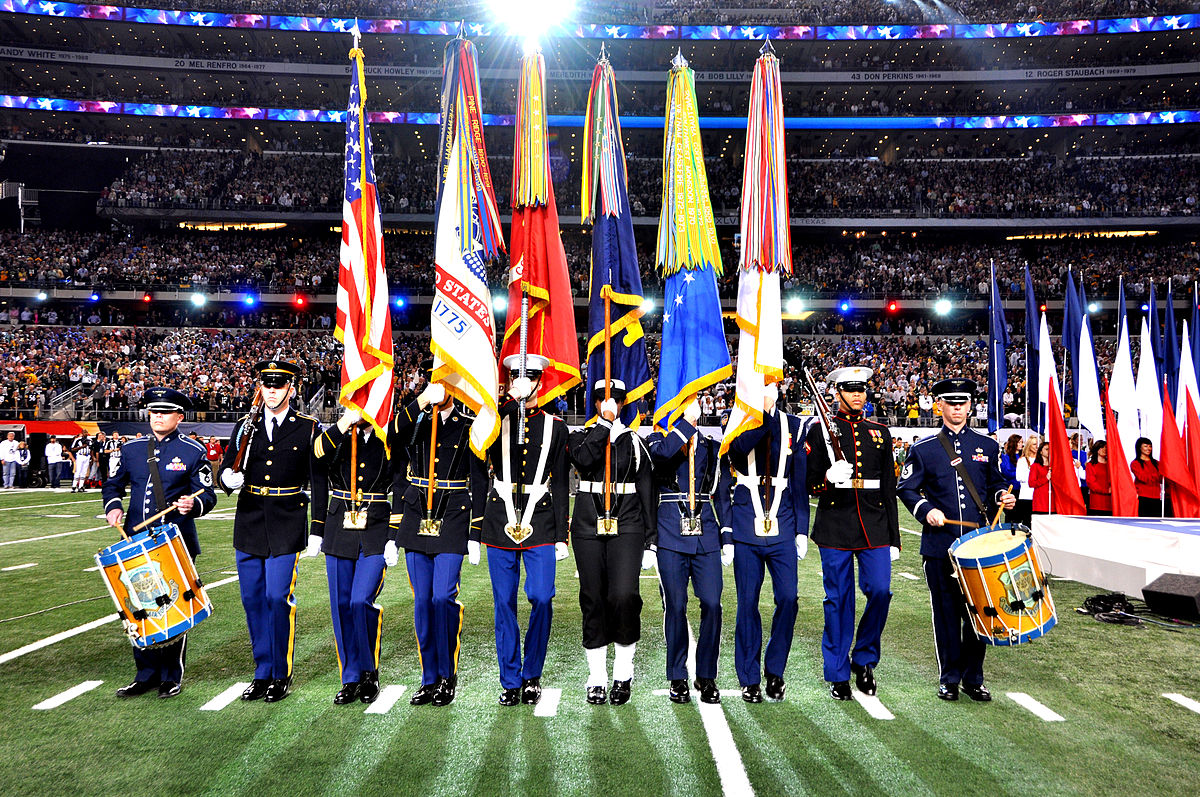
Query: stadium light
(146,297)
(198,299)
(531,19)
(299,300)
(942,307)
(795,306)
(499,303)
(1093,308)
(95,297)
(648,306)
(41,297)
(893,306)
(844,307)
(1145,308)
(249,300)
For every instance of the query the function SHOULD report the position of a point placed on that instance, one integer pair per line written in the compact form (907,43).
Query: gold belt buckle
(690,526)
(518,532)
(766,527)
(857,484)
(606,527)
(430,527)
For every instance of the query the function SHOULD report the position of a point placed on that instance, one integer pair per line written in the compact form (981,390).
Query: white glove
(609,407)
(233,481)
(839,472)
(649,559)
(801,546)
(727,555)
(936,517)
(473,552)
(349,418)
(895,553)
(391,556)
(520,388)
(691,413)
(616,431)
(772,398)
(433,394)
(560,551)
(314,545)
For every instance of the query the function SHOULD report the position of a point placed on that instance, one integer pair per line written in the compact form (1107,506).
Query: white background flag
(1089,411)
(1047,375)
(1149,393)
(1122,393)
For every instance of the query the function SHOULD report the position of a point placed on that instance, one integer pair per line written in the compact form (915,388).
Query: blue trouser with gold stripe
(504,565)
(437,614)
(354,586)
(268,585)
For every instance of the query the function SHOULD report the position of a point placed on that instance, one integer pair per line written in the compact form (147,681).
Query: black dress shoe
(840,690)
(864,679)
(347,694)
(169,689)
(680,692)
(445,692)
(368,687)
(618,695)
(775,687)
(137,688)
(752,693)
(948,691)
(709,693)
(597,695)
(977,692)
(531,691)
(510,697)
(424,695)
(278,690)
(257,689)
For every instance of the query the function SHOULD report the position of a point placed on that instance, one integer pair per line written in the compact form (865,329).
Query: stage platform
(1117,554)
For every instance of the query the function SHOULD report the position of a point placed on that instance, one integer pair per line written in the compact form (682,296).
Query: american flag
(364,325)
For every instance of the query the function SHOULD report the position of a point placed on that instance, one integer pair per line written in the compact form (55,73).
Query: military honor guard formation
(478,461)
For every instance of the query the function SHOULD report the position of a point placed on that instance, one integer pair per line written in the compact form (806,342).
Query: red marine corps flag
(468,234)
(364,324)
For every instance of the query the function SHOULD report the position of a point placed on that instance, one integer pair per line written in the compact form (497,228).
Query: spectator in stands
(54,461)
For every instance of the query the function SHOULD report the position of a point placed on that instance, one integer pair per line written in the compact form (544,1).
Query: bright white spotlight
(795,307)
(198,299)
(531,19)
(41,297)
(1093,308)
(942,307)
(499,303)
(648,306)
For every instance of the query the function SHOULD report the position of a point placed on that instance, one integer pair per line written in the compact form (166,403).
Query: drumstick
(165,512)
(964,523)
(1007,491)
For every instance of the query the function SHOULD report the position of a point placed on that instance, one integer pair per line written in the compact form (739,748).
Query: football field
(1084,710)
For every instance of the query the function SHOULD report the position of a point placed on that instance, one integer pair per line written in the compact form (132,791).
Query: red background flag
(1065,496)
(1124,493)
(1173,464)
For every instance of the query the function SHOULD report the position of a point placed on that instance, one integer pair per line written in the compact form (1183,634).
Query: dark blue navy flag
(1072,324)
(1156,338)
(997,358)
(1170,349)
(1032,394)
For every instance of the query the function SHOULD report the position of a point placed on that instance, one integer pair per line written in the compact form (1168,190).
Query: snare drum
(1007,596)
(154,584)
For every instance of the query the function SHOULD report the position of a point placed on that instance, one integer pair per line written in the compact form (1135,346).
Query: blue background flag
(1032,394)
(1194,328)
(997,358)
(1072,324)
(694,353)
(1156,337)
(1170,348)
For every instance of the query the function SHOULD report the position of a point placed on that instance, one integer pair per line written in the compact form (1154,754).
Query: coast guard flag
(694,353)
(462,330)
(364,322)
(997,359)
(615,273)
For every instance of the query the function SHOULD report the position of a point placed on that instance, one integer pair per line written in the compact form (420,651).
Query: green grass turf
(1120,735)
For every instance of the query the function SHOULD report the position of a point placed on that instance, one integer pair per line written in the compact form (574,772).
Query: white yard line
(874,707)
(548,705)
(18,567)
(387,698)
(53,536)
(1186,702)
(909,576)
(80,629)
(730,769)
(1034,707)
(225,698)
(43,506)
(70,694)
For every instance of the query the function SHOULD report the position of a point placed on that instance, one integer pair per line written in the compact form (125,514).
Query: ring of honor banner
(615,274)
(766,249)
(538,267)
(694,354)
(463,332)
(364,321)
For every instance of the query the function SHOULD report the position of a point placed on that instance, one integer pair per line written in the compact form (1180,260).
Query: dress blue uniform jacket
(184,466)
(668,451)
(929,480)
(793,508)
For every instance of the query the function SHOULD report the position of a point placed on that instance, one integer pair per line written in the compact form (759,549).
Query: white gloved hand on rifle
(520,388)
(839,472)
(233,480)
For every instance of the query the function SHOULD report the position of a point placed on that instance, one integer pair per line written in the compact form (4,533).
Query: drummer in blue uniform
(690,544)
(271,524)
(948,477)
(856,521)
(770,532)
(525,523)
(162,469)
(358,539)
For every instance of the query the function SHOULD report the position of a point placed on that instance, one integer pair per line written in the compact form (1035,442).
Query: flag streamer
(531,163)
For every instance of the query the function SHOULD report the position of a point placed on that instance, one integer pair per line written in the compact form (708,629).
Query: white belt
(505,487)
(618,488)
(858,484)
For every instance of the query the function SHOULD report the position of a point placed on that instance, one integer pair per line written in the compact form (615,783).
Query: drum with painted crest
(1008,597)
(153,582)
